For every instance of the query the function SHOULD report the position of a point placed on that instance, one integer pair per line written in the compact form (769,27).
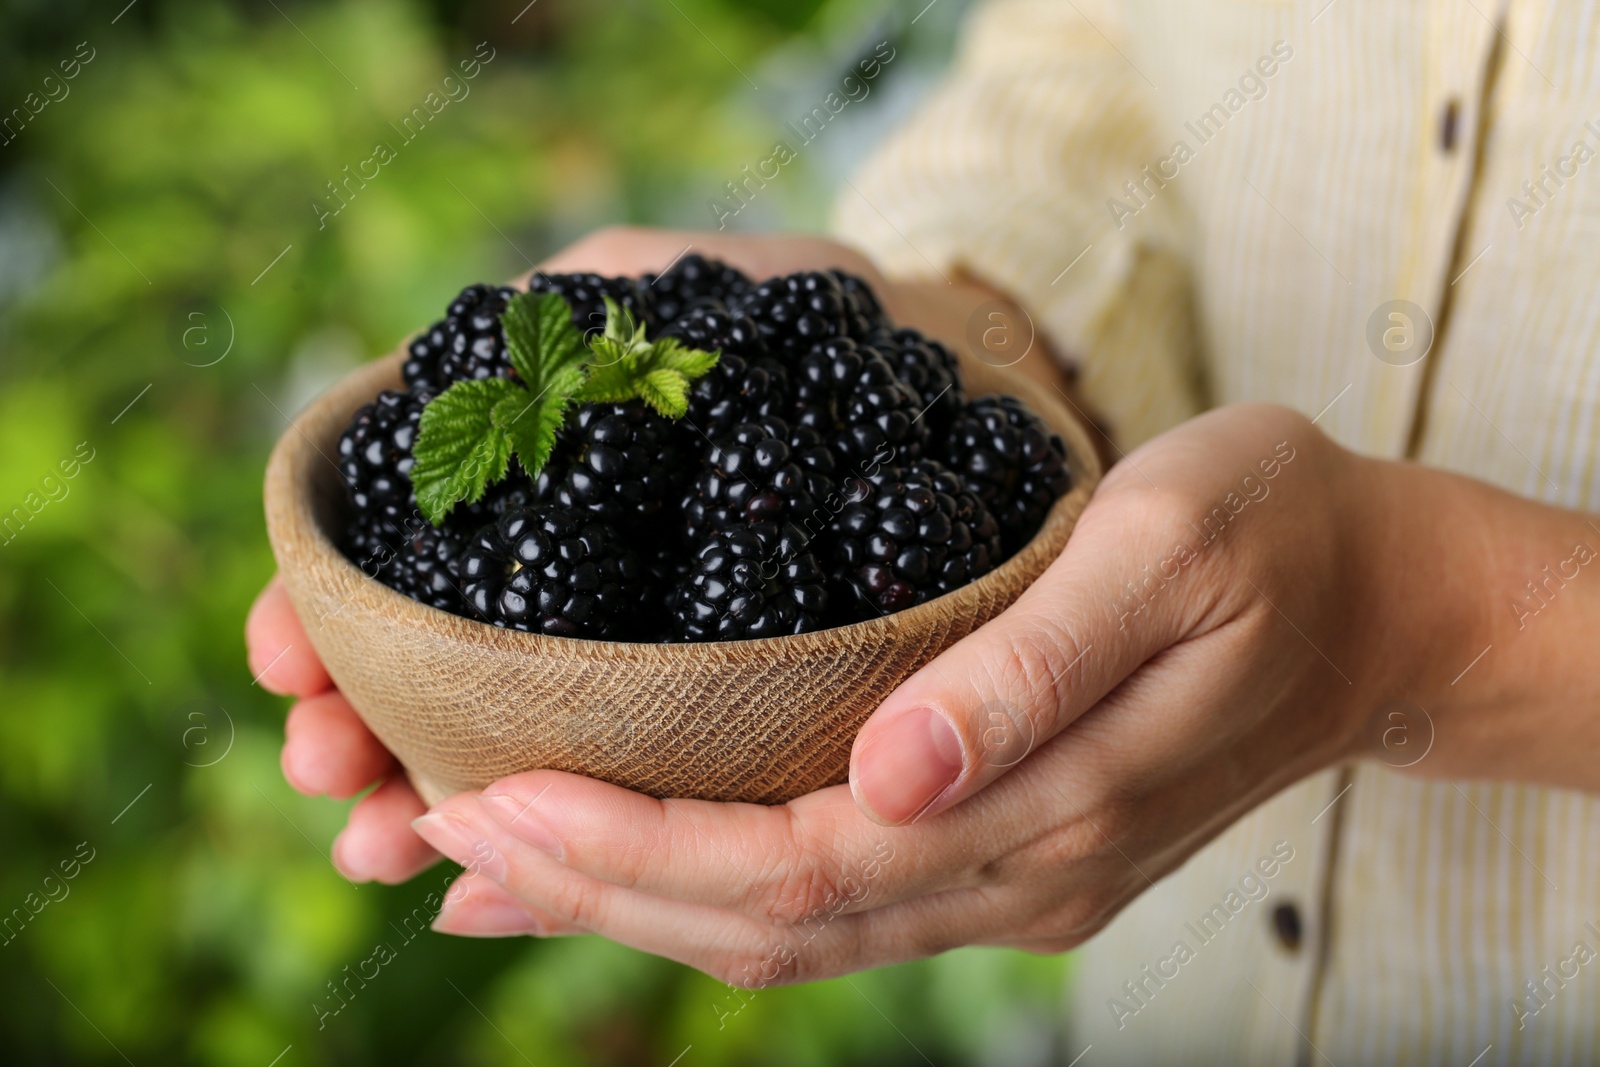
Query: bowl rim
(294,527)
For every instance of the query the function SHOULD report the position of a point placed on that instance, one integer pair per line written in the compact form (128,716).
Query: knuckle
(775,965)
(577,901)
(1137,497)
(1081,916)
(1032,658)
(803,881)
(808,892)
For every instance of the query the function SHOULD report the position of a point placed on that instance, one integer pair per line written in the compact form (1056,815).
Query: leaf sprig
(626,366)
(469,432)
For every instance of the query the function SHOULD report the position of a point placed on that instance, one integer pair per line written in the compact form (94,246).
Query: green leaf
(612,383)
(665,390)
(540,338)
(621,327)
(671,354)
(459,450)
(625,365)
(531,423)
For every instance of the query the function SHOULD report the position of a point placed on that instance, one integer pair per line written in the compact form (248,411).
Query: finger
(693,934)
(280,655)
(774,864)
(982,706)
(329,750)
(474,906)
(727,945)
(378,844)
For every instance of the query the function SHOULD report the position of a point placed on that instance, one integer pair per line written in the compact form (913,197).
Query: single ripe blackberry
(850,392)
(745,384)
(748,581)
(864,316)
(625,464)
(375,458)
(375,545)
(714,325)
(553,570)
(474,342)
(1014,463)
(425,568)
(423,356)
(921,534)
(762,472)
(797,311)
(880,417)
(587,292)
(930,369)
(688,281)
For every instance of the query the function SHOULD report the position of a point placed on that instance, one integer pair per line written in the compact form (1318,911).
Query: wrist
(1478,601)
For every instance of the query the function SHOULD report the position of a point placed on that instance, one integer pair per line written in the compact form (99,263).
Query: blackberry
(748,581)
(688,281)
(553,570)
(796,312)
(762,472)
(375,458)
(881,417)
(745,384)
(376,545)
(423,356)
(414,557)
(587,292)
(474,342)
(425,567)
(850,391)
(930,369)
(712,324)
(625,466)
(864,316)
(919,536)
(1014,463)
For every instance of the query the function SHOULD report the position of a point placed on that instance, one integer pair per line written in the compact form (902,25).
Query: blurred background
(178,275)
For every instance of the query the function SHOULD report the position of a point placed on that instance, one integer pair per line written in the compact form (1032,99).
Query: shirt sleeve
(1009,174)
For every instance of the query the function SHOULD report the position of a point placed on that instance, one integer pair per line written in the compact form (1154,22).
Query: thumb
(966,718)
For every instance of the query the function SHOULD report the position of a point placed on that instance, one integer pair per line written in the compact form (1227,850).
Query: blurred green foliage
(176,173)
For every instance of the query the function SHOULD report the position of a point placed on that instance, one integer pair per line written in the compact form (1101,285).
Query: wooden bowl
(462,703)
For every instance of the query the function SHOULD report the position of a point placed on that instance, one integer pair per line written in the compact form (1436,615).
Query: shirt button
(1287,926)
(1449,120)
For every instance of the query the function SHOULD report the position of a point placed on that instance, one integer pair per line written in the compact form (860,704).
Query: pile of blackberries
(830,469)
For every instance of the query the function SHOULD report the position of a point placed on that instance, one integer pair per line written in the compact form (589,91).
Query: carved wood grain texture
(462,703)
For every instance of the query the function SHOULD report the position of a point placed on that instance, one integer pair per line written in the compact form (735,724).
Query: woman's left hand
(1223,622)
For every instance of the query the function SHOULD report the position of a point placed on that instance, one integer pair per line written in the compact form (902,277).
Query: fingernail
(259,665)
(461,841)
(907,764)
(499,918)
(342,864)
(520,818)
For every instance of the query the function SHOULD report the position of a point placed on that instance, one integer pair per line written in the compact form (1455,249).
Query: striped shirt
(1385,213)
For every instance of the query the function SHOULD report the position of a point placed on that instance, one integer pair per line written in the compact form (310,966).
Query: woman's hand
(1221,624)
